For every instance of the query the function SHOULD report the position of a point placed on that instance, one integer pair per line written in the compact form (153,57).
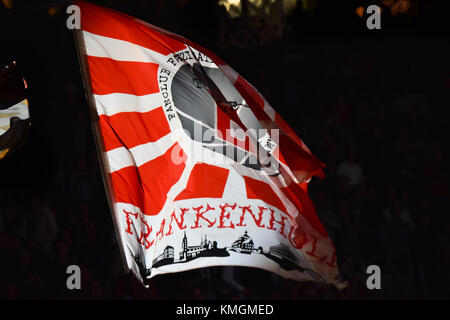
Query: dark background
(371,104)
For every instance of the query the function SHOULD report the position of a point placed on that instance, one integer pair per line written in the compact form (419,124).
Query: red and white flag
(200,169)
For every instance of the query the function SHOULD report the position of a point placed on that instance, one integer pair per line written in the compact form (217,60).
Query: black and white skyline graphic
(279,253)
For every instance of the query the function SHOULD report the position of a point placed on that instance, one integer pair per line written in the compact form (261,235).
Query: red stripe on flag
(127,186)
(135,128)
(112,76)
(293,151)
(223,123)
(117,25)
(146,186)
(110,139)
(254,100)
(302,163)
(257,189)
(205,181)
(159,175)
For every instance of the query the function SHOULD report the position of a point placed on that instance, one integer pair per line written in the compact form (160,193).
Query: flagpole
(104,166)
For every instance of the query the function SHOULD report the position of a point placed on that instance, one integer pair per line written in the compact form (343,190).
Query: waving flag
(199,168)
(14,113)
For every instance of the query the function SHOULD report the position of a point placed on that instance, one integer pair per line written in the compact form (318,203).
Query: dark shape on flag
(201,95)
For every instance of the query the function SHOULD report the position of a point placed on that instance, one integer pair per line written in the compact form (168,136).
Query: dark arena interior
(373,105)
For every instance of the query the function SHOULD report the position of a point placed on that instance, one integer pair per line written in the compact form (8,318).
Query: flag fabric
(14,112)
(201,170)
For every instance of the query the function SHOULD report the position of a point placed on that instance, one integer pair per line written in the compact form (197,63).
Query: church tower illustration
(185,243)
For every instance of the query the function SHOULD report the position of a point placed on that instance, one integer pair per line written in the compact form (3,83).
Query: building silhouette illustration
(279,253)
(167,257)
(282,251)
(144,272)
(244,244)
(191,252)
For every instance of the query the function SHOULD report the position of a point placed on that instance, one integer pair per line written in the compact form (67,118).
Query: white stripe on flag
(110,104)
(269,110)
(19,110)
(105,47)
(229,72)
(121,157)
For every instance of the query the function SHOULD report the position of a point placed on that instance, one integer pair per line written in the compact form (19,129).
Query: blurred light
(256,3)
(290,5)
(233,7)
(387,3)
(401,6)
(3,152)
(397,6)
(360,11)
(8,3)
(53,10)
